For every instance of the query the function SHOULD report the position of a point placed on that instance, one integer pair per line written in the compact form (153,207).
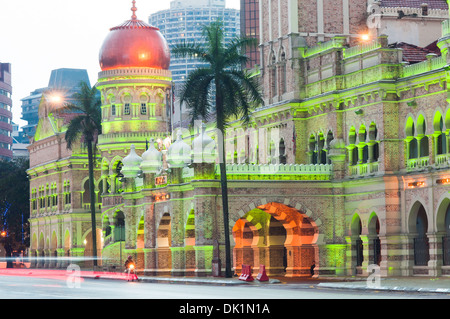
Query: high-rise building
(250,28)
(62,81)
(6,128)
(184,21)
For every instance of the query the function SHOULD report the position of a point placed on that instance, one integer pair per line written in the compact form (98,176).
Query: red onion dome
(134,44)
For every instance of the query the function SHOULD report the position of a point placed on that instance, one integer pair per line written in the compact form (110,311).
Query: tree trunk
(92,194)
(223,180)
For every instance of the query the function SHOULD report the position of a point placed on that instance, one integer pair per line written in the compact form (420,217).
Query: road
(107,296)
(23,287)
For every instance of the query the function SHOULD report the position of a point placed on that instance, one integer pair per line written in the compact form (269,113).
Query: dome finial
(134,9)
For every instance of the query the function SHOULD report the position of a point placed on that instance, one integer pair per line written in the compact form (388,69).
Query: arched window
(446,238)
(321,152)
(312,153)
(374,152)
(421,137)
(272,151)
(86,195)
(440,135)
(352,148)
(413,149)
(283,73)
(119,226)
(330,137)
(362,146)
(421,244)
(273,73)
(411,141)
(282,152)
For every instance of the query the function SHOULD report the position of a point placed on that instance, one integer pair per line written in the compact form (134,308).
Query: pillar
(436,258)
(203,258)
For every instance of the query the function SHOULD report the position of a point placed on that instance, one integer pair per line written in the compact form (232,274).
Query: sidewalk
(221,281)
(401,284)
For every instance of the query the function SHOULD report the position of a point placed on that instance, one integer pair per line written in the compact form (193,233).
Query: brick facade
(330,171)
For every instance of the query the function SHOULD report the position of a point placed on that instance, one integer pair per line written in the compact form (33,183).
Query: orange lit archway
(280,237)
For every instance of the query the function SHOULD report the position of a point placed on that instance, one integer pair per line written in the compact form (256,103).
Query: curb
(184,280)
(379,288)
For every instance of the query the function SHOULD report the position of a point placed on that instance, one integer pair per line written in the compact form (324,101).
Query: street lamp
(56,98)
(365,37)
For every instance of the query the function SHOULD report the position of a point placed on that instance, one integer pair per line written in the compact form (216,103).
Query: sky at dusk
(38,36)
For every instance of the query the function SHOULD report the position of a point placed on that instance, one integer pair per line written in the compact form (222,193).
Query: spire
(134,9)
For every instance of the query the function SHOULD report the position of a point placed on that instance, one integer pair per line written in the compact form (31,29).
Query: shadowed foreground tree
(85,127)
(222,88)
(14,206)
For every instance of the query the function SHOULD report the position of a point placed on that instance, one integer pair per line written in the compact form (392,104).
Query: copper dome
(134,44)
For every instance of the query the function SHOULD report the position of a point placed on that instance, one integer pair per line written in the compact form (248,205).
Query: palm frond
(191,50)
(196,93)
(74,131)
(236,92)
(87,125)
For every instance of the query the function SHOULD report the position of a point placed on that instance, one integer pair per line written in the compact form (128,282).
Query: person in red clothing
(130,269)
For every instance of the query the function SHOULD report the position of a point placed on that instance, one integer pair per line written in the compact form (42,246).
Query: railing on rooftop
(362,48)
(324,46)
(433,63)
(279,171)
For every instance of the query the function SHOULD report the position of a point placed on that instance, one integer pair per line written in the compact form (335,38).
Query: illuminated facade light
(161,180)
(161,197)
(443,181)
(416,184)
(365,37)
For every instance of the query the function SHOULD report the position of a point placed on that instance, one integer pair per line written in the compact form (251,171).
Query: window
(113,110)
(41,197)
(144,108)
(273,75)
(282,152)
(126,109)
(33,199)
(283,73)
(54,195)
(440,136)
(67,194)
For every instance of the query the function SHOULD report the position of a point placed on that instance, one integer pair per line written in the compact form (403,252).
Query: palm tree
(222,88)
(86,127)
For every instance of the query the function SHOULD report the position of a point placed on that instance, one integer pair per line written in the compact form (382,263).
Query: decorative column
(178,158)
(436,259)
(337,156)
(209,244)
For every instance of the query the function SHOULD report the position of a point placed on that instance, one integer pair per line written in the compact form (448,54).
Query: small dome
(131,163)
(179,153)
(337,143)
(151,159)
(134,44)
(204,147)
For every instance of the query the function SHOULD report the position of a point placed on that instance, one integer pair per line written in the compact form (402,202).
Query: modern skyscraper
(184,21)
(64,81)
(6,128)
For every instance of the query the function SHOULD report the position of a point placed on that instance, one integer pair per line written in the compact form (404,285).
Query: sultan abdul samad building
(346,165)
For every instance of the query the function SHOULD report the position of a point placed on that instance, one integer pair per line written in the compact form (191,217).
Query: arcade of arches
(277,236)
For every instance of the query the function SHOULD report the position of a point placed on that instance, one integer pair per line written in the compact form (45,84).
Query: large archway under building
(279,237)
